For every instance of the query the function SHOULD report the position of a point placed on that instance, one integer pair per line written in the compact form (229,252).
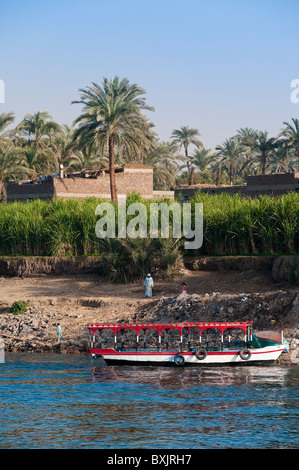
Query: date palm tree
(184,137)
(63,146)
(165,166)
(11,163)
(230,152)
(35,134)
(262,147)
(85,160)
(112,116)
(283,159)
(38,128)
(5,120)
(291,135)
(203,158)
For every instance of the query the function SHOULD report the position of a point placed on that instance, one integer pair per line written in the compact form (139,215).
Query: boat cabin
(188,334)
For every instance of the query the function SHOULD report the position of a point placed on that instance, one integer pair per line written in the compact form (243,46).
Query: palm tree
(11,163)
(246,136)
(38,160)
(112,116)
(84,160)
(38,128)
(64,146)
(216,169)
(185,137)
(5,120)
(263,147)
(291,135)
(202,158)
(230,152)
(35,134)
(165,166)
(283,159)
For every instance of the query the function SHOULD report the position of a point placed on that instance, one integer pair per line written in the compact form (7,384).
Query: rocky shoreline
(35,330)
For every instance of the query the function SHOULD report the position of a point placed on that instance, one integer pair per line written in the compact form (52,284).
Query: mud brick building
(92,183)
(273,185)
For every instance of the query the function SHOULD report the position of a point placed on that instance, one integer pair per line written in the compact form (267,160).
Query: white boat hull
(168,358)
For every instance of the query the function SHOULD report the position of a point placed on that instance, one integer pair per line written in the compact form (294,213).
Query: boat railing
(191,334)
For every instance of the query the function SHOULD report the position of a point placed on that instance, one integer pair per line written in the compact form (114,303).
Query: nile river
(73,402)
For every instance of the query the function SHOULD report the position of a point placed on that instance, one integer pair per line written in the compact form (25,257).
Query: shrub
(19,307)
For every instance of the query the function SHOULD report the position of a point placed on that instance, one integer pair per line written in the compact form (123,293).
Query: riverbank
(74,301)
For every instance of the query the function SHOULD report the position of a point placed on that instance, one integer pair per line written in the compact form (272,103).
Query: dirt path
(96,299)
(89,286)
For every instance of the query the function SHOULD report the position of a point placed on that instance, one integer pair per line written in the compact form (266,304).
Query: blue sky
(216,66)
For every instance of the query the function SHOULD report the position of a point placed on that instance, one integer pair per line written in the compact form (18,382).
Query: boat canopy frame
(138,327)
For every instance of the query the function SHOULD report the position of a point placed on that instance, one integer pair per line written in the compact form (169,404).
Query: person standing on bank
(148,284)
(59,332)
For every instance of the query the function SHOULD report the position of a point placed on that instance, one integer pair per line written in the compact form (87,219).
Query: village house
(87,183)
(274,184)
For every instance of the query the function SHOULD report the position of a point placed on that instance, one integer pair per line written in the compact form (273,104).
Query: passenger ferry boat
(194,346)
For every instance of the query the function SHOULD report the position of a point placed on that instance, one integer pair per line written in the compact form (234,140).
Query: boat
(237,344)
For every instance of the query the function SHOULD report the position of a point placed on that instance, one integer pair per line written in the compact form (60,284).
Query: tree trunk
(218,179)
(231,175)
(188,166)
(191,178)
(264,159)
(111,169)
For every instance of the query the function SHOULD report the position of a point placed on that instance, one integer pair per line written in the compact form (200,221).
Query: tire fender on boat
(179,360)
(201,354)
(245,354)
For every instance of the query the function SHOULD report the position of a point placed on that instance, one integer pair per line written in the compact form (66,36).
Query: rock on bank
(265,310)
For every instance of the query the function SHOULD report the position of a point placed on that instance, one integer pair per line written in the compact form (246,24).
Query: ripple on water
(51,401)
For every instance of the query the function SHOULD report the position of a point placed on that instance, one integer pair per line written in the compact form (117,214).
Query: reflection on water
(50,401)
(190,377)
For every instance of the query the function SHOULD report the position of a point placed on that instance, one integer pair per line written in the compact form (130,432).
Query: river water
(73,402)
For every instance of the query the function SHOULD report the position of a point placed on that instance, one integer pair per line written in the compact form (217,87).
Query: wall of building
(140,179)
(133,178)
(272,185)
(273,179)
(21,192)
(189,192)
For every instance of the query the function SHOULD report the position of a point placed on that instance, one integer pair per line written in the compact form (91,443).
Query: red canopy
(167,326)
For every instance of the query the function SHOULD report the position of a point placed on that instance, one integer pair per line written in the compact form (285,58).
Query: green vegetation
(111,128)
(19,307)
(112,114)
(233,225)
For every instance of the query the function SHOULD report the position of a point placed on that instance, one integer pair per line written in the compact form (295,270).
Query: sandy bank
(77,300)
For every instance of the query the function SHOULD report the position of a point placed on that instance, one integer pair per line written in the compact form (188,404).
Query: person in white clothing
(148,284)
